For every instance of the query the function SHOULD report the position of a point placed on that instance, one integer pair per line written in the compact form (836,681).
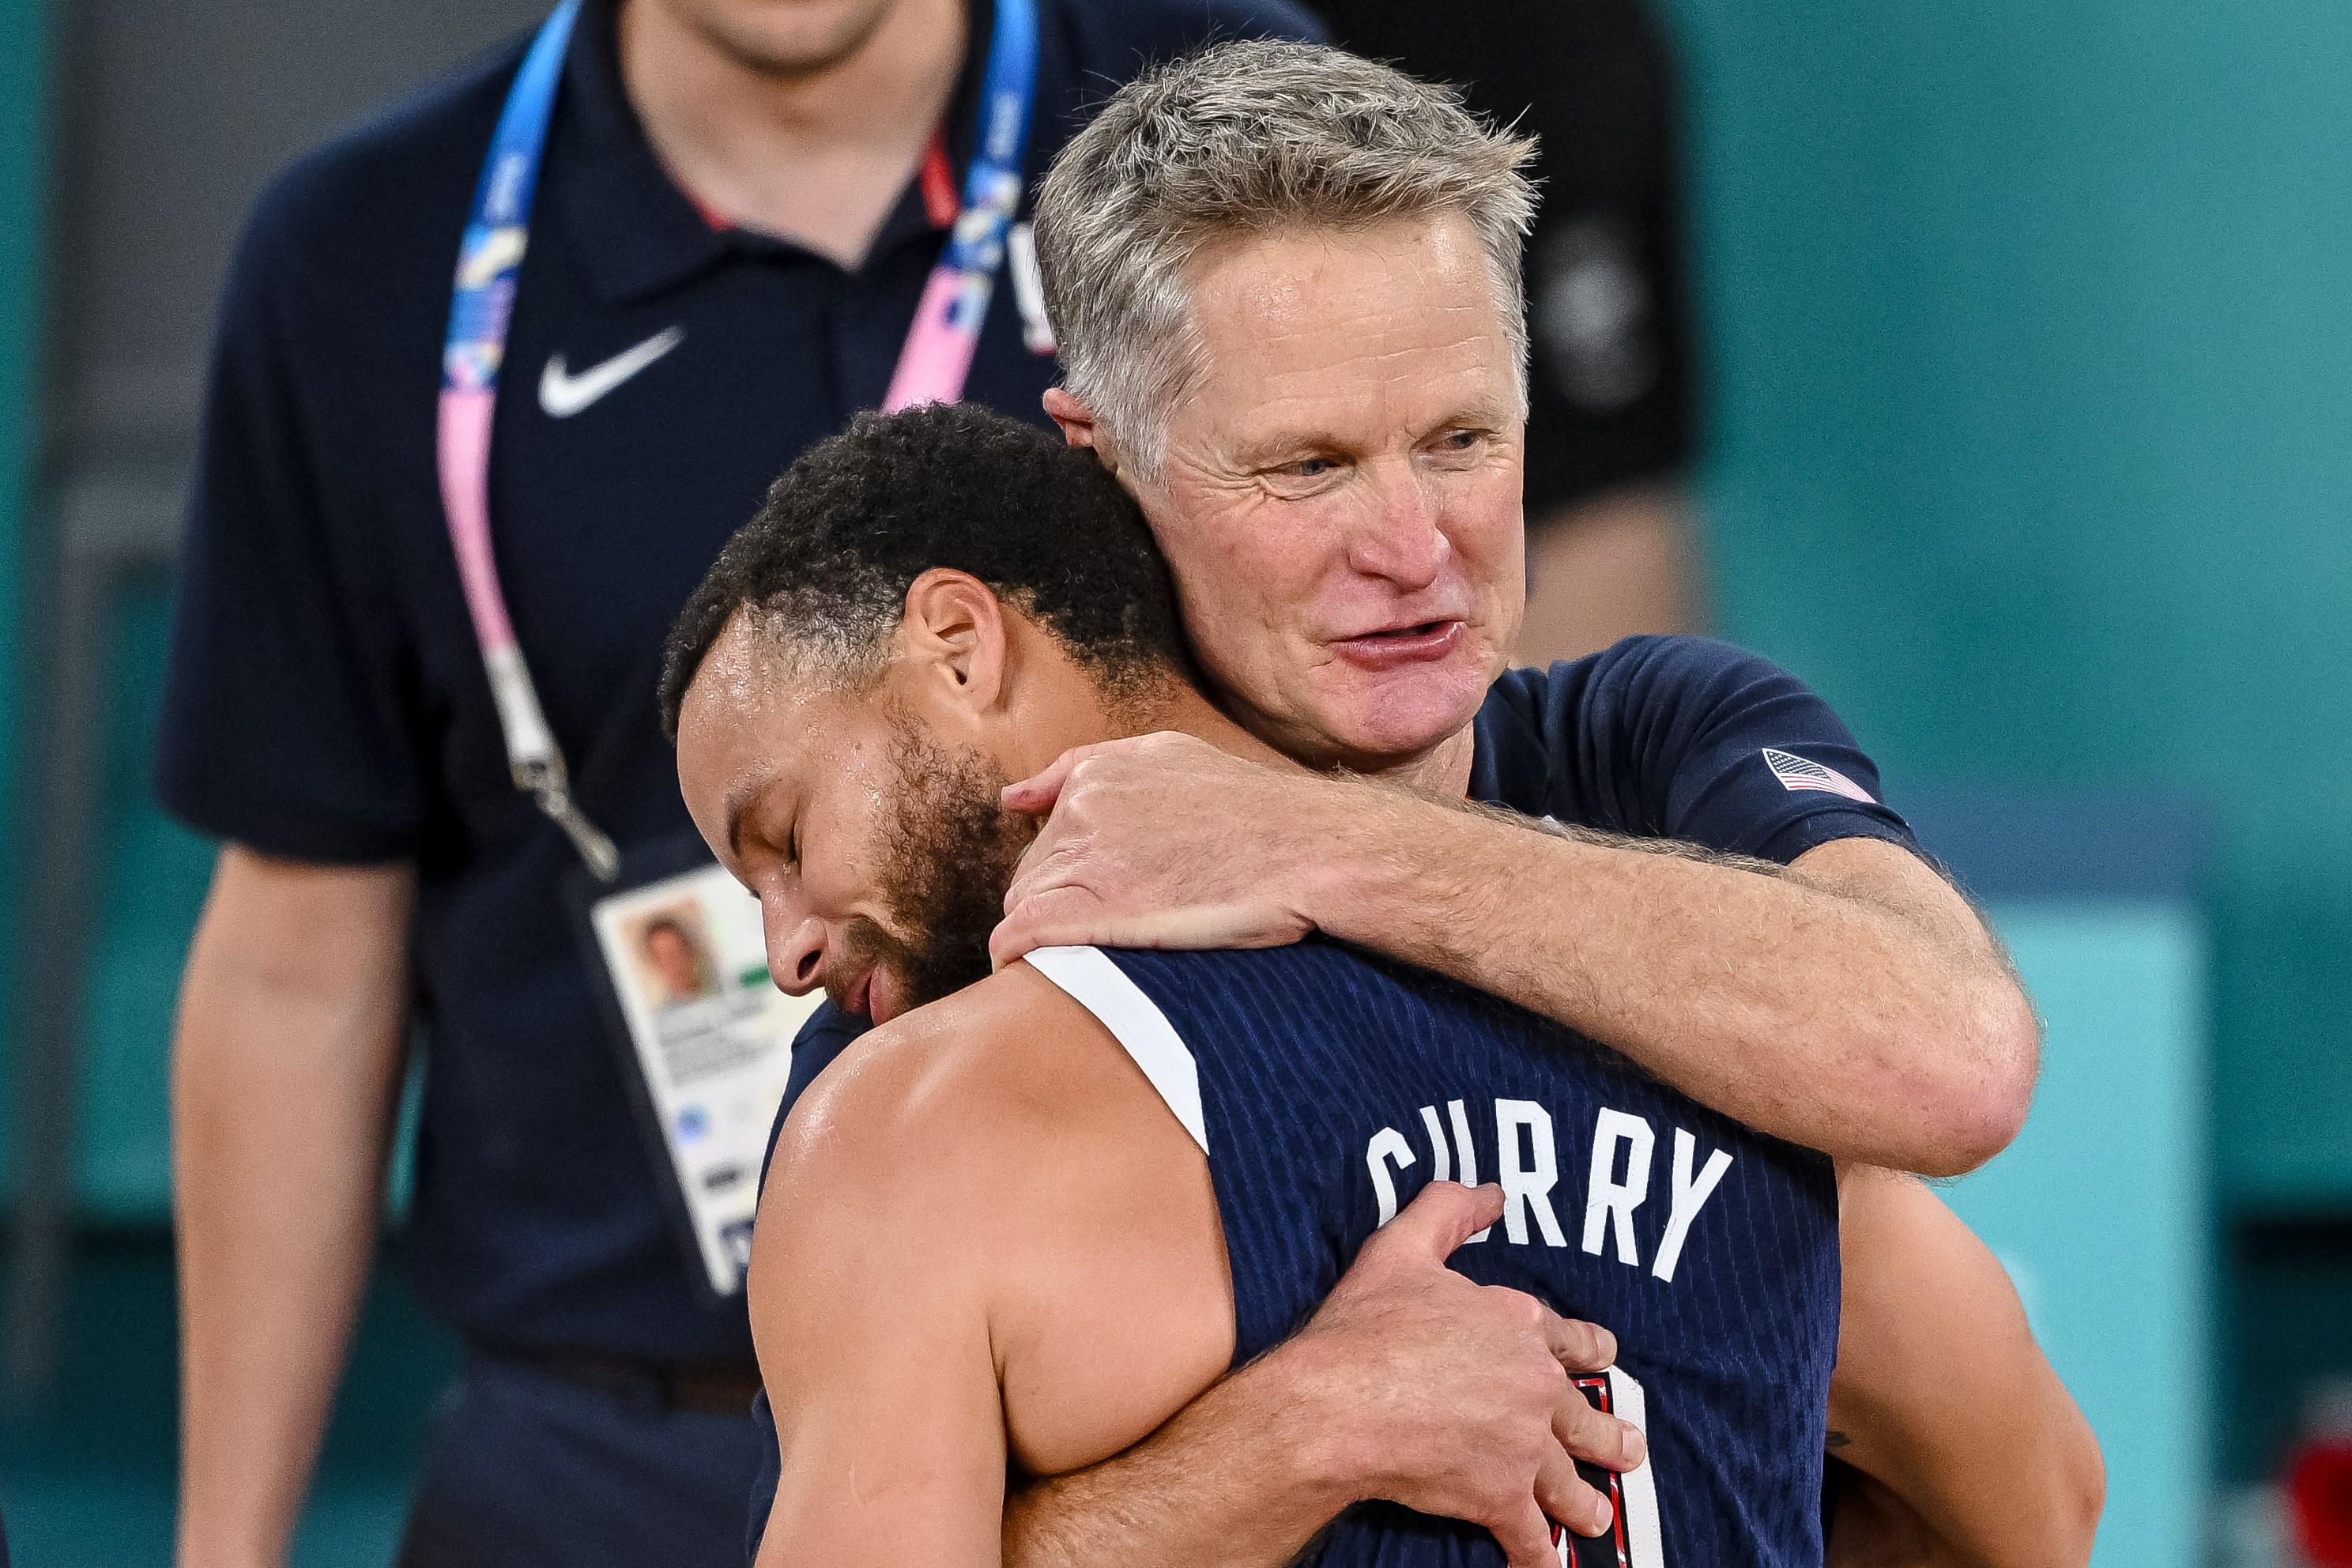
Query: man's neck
(816,155)
(1180,709)
(1442,771)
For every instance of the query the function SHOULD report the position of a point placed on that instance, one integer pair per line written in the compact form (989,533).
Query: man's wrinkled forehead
(1398,326)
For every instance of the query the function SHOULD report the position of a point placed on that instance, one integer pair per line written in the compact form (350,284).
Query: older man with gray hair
(1252,260)
(1285,285)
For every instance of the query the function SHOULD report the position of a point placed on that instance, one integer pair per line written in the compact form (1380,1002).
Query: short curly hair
(826,563)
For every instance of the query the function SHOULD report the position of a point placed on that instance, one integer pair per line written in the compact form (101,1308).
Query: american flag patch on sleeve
(1795,773)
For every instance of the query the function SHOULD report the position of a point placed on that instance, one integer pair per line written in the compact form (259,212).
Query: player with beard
(947,855)
(1013,1233)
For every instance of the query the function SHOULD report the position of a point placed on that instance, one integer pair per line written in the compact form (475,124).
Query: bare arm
(1974,1456)
(1854,1003)
(869,1311)
(284,1065)
(1608,568)
(1235,1480)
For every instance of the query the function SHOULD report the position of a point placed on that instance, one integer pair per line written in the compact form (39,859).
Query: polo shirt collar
(634,232)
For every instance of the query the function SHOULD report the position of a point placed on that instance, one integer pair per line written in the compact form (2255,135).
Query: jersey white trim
(1639,1486)
(1135,1021)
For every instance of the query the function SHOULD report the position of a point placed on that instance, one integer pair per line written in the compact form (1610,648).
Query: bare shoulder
(942,1084)
(979,1119)
(918,1152)
(999,1158)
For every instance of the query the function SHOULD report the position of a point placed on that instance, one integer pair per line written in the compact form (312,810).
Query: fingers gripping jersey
(1328,1086)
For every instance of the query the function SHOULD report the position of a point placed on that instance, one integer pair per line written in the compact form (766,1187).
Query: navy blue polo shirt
(326,702)
(1659,737)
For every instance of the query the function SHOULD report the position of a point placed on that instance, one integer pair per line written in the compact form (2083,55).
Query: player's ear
(952,643)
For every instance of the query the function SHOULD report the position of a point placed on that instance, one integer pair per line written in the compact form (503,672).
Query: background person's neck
(817,155)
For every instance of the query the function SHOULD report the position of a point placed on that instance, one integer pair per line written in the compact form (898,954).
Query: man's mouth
(1424,642)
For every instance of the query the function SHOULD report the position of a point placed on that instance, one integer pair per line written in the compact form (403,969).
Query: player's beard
(951,853)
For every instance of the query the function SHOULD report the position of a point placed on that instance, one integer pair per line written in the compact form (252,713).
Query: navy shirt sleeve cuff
(1680,737)
(1810,833)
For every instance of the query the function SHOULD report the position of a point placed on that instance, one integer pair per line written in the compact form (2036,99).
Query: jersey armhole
(1091,980)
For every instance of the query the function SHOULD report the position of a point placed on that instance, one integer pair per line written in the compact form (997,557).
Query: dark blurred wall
(24,126)
(171,117)
(1593,83)
(162,124)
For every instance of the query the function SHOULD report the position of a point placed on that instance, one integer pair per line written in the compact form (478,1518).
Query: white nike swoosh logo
(563,395)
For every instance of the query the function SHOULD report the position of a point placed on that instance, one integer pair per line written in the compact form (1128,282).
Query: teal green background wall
(2101,1209)
(24,190)
(149,884)
(2030,440)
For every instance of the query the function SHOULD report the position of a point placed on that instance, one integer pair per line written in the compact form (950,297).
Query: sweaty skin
(985,1239)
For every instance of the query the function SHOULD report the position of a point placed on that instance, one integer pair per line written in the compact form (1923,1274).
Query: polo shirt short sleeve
(1680,737)
(325,700)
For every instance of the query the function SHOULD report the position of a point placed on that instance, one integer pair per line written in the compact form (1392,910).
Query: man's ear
(952,643)
(1081,426)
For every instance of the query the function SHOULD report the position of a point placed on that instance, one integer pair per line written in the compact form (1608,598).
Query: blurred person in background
(1612,551)
(697,233)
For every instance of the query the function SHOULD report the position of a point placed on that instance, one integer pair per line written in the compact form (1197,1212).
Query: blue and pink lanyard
(933,365)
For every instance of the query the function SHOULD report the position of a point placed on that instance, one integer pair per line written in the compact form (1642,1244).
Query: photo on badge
(705,1037)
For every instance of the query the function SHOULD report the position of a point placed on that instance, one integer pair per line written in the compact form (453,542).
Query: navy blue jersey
(1328,1086)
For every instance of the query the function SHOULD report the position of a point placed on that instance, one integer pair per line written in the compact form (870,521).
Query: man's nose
(1398,537)
(795,951)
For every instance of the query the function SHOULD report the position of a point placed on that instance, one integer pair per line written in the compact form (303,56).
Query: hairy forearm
(282,1109)
(1876,1029)
(1233,1480)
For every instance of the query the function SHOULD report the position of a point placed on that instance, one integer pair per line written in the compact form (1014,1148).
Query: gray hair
(1245,138)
